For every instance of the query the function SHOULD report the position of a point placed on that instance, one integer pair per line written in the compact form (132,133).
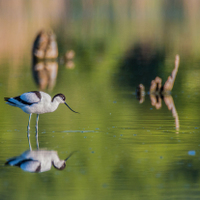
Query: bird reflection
(38,160)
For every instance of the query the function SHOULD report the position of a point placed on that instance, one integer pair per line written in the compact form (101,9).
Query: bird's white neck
(53,106)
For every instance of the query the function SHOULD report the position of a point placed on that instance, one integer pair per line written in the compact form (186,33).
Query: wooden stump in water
(45,45)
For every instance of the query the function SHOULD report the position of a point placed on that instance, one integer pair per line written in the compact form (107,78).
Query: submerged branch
(156,85)
(158,92)
(171,79)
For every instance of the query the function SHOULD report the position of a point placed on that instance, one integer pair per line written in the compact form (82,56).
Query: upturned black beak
(70,108)
(70,155)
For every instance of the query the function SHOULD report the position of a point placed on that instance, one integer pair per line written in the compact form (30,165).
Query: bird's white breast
(45,105)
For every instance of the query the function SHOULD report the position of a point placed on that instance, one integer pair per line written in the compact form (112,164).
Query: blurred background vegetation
(98,30)
(172,24)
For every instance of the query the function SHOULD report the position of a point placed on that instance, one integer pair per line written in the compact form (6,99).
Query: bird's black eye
(63,97)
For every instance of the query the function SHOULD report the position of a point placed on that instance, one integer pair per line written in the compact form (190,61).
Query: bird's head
(60,98)
(61,164)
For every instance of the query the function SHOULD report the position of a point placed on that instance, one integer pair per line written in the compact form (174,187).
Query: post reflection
(38,160)
(170,104)
(159,92)
(156,101)
(45,73)
(140,92)
(45,60)
(44,63)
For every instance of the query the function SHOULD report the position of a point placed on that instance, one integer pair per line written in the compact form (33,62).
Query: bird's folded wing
(31,97)
(31,166)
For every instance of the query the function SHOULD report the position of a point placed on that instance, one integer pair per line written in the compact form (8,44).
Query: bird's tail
(10,161)
(6,98)
(9,101)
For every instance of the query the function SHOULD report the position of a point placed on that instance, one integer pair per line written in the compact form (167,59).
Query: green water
(124,149)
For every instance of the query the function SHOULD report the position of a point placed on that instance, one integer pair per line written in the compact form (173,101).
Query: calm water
(124,149)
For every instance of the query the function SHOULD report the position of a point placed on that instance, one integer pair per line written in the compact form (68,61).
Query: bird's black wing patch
(38,168)
(23,161)
(22,101)
(37,94)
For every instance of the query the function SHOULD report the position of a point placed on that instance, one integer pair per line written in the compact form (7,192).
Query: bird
(38,161)
(37,102)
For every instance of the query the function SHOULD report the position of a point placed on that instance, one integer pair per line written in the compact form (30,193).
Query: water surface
(124,149)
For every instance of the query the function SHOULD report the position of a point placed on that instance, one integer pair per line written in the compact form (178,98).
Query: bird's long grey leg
(28,127)
(28,132)
(29,142)
(36,128)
